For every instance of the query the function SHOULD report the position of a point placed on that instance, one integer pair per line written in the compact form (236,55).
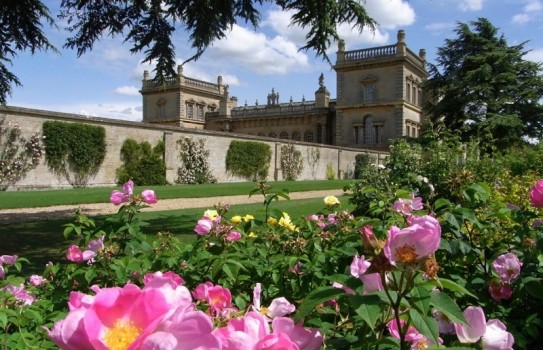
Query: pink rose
(536,194)
(507,266)
(414,242)
(233,236)
(204,226)
(406,206)
(74,254)
(372,283)
(8,259)
(149,196)
(20,293)
(118,197)
(475,326)
(496,336)
(36,280)
(219,298)
(2,272)
(359,265)
(501,291)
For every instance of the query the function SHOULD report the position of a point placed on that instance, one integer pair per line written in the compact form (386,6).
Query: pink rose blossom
(536,194)
(118,197)
(233,236)
(493,333)
(204,226)
(406,206)
(475,326)
(8,259)
(175,278)
(305,338)
(96,245)
(2,272)
(507,266)
(412,335)
(279,307)
(500,291)
(219,298)
(74,254)
(496,336)
(414,242)
(372,283)
(133,318)
(359,265)
(149,196)
(20,293)
(444,324)
(37,280)
(201,291)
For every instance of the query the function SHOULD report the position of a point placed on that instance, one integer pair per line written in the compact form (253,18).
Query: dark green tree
(149,25)
(483,88)
(20,30)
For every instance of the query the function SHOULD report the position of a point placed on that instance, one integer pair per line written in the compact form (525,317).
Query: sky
(105,81)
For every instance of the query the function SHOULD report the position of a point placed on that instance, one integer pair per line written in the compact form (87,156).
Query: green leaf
(420,299)
(447,306)
(424,324)
(451,285)
(534,288)
(316,297)
(226,269)
(368,307)
(442,203)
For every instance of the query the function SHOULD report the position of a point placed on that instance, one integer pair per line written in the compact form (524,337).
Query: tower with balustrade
(379,98)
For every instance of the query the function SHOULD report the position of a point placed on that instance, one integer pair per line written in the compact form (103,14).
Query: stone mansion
(379,98)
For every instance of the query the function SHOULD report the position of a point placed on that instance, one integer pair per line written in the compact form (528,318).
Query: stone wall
(117,131)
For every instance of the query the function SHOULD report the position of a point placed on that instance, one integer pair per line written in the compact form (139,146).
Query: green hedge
(74,151)
(143,163)
(248,159)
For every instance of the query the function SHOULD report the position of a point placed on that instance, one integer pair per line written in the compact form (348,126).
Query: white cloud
(439,27)
(127,90)
(536,55)
(470,5)
(391,14)
(130,111)
(530,12)
(258,53)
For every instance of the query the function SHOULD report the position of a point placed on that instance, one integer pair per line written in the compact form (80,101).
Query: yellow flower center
(121,335)
(406,254)
(263,310)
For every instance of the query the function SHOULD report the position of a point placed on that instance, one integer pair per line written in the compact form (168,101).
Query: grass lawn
(45,198)
(43,241)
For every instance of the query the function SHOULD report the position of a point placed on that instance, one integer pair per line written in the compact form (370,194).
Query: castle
(379,98)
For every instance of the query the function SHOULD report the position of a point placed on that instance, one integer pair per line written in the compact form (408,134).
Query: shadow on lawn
(43,240)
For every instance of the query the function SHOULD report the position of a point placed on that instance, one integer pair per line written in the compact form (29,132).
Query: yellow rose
(331,201)
(252,235)
(235,219)
(272,221)
(248,218)
(212,214)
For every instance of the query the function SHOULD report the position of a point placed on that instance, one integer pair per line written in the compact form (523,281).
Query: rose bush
(396,275)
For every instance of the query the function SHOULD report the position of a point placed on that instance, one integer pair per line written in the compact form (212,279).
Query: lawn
(43,241)
(45,198)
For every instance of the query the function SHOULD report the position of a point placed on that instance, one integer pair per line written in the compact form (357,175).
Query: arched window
(308,136)
(272,134)
(369,131)
(161,105)
(283,135)
(296,136)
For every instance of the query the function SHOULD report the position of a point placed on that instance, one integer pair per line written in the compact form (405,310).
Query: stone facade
(341,159)
(379,98)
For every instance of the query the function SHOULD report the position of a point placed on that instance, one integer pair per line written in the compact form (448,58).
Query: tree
(20,30)
(149,25)
(485,88)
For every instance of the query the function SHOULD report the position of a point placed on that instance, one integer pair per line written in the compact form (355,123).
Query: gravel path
(31,214)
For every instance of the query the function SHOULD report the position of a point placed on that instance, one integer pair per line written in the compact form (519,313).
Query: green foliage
(74,151)
(364,165)
(484,88)
(22,30)
(248,159)
(143,163)
(313,157)
(195,166)
(17,154)
(330,172)
(291,162)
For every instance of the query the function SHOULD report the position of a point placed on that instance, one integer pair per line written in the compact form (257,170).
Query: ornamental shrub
(17,154)
(291,162)
(143,163)
(74,151)
(248,159)
(330,172)
(195,166)
(363,165)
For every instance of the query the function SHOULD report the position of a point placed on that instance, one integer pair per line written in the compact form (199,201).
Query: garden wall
(342,160)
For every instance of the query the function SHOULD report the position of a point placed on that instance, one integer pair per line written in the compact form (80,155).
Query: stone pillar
(170,150)
(401,46)
(340,54)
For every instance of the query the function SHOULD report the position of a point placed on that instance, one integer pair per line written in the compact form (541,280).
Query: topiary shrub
(143,163)
(74,151)
(291,162)
(195,167)
(248,159)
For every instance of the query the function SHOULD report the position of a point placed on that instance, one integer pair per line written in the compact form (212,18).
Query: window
(272,134)
(201,112)
(190,110)
(408,91)
(161,109)
(283,135)
(308,136)
(368,92)
(357,131)
(296,136)
(369,131)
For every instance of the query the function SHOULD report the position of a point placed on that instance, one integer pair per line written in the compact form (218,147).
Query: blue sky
(105,82)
